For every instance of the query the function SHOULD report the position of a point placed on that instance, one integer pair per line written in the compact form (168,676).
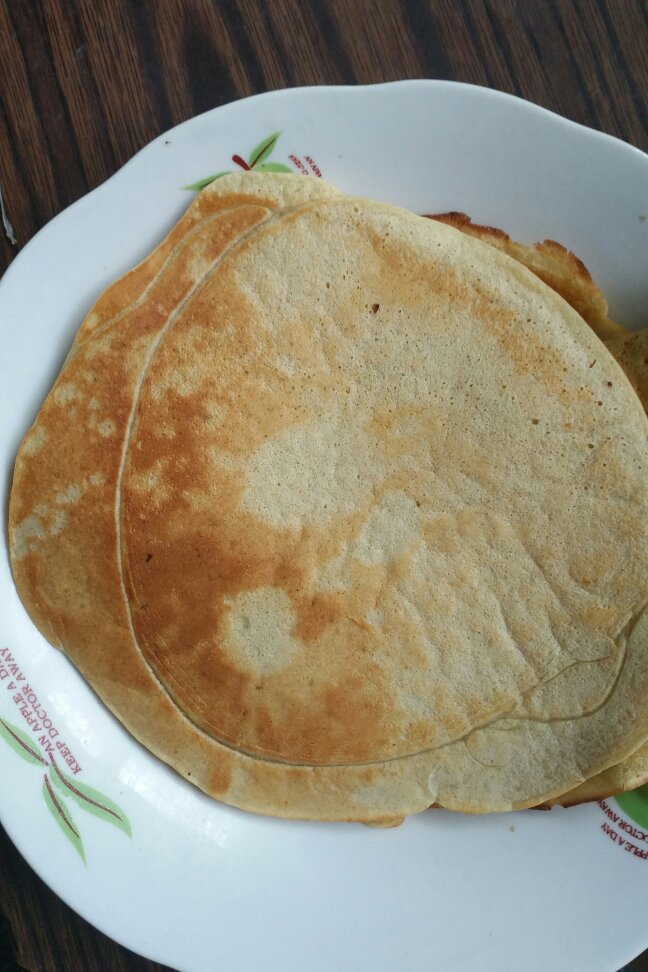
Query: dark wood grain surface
(84,84)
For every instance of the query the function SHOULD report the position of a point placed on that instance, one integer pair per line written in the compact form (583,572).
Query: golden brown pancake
(332,511)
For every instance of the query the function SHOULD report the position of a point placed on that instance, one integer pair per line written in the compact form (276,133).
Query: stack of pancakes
(344,512)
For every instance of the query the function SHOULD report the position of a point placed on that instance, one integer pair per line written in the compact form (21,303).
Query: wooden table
(84,84)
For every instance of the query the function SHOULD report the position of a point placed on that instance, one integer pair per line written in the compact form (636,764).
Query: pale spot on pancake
(178,381)
(375,617)
(334,575)
(106,428)
(198,259)
(311,472)
(259,631)
(152,483)
(94,404)
(216,412)
(287,365)
(42,523)
(35,440)
(58,524)
(66,393)
(71,495)
(30,529)
(393,526)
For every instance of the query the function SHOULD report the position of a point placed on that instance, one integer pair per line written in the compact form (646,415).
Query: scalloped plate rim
(101,922)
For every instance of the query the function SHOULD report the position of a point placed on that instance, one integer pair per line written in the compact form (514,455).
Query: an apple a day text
(14,680)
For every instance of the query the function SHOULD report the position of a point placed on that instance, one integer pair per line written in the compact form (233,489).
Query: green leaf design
(272,167)
(61,814)
(635,804)
(91,800)
(263,150)
(21,743)
(197,186)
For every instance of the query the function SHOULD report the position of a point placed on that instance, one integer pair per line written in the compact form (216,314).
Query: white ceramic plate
(129,845)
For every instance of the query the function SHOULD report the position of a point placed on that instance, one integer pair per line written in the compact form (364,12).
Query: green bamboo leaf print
(91,800)
(62,816)
(272,167)
(635,804)
(197,186)
(20,743)
(263,150)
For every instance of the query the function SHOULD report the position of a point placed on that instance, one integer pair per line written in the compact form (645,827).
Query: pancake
(558,267)
(565,273)
(628,775)
(332,510)
(631,351)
